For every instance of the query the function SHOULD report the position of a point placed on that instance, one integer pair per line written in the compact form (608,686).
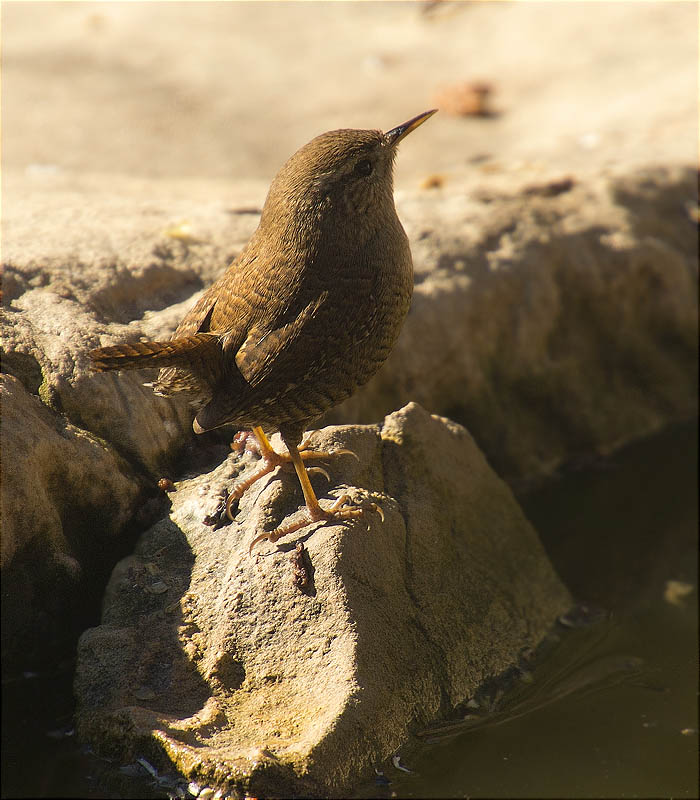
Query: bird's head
(344,171)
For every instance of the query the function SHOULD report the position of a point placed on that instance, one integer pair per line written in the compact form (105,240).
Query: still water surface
(612,709)
(608,710)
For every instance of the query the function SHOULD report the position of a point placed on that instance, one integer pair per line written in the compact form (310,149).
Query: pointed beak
(395,135)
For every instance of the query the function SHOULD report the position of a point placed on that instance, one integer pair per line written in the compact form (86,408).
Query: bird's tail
(140,355)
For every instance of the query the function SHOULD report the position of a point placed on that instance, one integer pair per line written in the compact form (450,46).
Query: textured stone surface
(220,91)
(556,324)
(555,319)
(244,681)
(65,496)
(85,264)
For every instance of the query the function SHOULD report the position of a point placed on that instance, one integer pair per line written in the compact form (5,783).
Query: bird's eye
(364,167)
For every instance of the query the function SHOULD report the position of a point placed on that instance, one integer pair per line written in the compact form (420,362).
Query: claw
(378,510)
(255,541)
(306,452)
(319,470)
(340,511)
(305,445)
(230,500)
(345,452)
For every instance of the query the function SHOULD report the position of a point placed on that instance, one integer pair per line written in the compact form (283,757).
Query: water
(609,709)
(605,725)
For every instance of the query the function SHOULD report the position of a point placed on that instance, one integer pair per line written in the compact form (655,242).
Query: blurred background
(229,90)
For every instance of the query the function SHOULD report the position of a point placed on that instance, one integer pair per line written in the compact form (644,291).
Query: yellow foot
(308,515)
(247,440)
(270,459)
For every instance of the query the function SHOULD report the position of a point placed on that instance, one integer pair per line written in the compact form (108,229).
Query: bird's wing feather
(197,318)
(260,351)
(221,307)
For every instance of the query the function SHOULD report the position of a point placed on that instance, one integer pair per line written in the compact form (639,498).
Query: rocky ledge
(296,671)
(554,316)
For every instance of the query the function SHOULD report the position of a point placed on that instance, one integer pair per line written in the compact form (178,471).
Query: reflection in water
(571,662)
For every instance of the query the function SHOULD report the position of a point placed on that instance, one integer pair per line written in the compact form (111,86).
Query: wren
(306,314)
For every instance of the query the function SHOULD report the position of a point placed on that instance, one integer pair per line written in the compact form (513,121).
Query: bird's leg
(270,459)
(251,442)
(312,511)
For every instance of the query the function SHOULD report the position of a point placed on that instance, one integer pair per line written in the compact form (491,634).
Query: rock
(46,338)
(555,320)
(220,663)
(573,85)
(66,498)
(119,268)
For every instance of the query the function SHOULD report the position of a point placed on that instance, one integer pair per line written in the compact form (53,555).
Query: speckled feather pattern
(311,307)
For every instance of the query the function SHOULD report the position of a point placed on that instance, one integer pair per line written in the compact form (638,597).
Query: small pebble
(396,761)
(159,587)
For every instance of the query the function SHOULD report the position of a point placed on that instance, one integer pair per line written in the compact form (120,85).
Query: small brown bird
(308,311)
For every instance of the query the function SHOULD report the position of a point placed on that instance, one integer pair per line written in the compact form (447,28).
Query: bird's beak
(395,135)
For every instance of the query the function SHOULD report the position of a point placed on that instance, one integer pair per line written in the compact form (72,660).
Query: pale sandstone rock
(116,270)
(553,327)
(557,320)
(245,682)
(46,338)
(574,84)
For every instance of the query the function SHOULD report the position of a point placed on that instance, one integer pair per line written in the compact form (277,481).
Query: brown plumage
(308,311)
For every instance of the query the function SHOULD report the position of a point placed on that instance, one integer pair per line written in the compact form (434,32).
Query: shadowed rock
(67,496)
(219,662)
